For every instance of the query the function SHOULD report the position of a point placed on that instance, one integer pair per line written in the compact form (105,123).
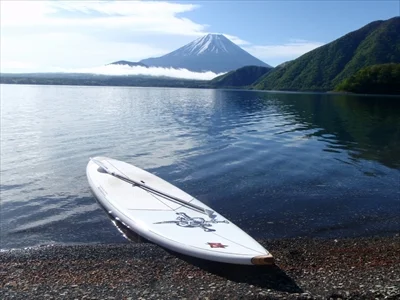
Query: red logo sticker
(217,245)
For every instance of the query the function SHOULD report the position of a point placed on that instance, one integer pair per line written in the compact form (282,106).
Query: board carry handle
(208,212)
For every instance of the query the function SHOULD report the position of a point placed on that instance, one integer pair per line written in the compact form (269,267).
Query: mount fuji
(213,52)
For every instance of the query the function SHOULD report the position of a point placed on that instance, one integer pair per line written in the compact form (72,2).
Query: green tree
(376,79)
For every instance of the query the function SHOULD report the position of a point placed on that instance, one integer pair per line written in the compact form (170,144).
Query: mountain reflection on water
(367,127)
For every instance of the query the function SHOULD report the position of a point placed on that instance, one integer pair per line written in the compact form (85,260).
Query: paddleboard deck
(187,226)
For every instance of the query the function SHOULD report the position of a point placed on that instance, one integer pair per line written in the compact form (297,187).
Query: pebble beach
(356,268)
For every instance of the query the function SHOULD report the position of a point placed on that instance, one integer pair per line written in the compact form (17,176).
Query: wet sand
(360,268)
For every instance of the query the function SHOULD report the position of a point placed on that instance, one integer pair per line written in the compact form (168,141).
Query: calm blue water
(276,164)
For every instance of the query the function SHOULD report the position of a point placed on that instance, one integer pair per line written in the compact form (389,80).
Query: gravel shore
(361,268)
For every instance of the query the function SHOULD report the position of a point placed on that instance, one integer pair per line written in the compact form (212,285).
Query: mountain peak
(214,34)
(210,43)
(211,52)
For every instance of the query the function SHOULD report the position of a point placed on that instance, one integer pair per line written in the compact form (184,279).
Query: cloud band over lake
(121,70)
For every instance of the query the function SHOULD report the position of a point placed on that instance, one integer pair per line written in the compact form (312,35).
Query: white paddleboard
(169,217)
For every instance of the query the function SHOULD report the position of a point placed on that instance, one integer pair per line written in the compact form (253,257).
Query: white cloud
(131,16)
(69,50)
(138,70)
(24,12)
(43,35)
(86,33)
(282,52)
(16,65)
(125,8)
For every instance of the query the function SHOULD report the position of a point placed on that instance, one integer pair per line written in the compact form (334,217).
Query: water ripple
(276,164)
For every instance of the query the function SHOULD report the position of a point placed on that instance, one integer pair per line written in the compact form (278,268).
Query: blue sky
(57,36)
(274,22)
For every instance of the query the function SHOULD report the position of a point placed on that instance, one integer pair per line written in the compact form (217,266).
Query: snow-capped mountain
(213,52)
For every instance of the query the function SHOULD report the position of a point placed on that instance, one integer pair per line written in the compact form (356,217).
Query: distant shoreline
(166,83)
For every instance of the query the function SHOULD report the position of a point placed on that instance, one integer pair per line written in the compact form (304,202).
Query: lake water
(278,165)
